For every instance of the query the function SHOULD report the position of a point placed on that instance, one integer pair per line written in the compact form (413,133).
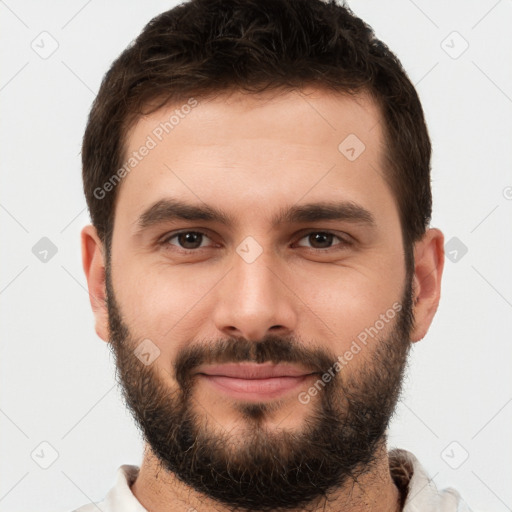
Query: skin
(251,156)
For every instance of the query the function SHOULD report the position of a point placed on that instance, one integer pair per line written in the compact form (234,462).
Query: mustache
(272,348)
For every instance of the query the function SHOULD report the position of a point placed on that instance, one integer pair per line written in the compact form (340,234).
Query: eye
(324,239)
(192,241)
(186,240)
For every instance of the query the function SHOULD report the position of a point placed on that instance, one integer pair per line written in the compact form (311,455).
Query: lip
(251,381)
(254,370)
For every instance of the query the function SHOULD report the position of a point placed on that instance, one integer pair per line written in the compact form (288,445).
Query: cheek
(341,303)
(164,304)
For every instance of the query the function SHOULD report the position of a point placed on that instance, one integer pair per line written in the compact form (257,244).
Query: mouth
(250,381)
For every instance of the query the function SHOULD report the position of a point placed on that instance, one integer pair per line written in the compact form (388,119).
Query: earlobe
(428,271)
(94,267)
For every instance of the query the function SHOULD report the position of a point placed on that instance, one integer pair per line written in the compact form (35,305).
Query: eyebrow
(170,209)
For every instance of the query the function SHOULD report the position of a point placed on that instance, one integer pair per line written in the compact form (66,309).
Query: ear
(428,271)
(94,267)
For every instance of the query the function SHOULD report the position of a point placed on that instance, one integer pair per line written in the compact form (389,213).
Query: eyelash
(343,242)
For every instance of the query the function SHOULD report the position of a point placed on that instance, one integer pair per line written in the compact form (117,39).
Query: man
(260,258)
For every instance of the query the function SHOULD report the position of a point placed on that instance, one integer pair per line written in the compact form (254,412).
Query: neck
(156,489)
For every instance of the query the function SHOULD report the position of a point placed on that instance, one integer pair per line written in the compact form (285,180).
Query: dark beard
(264,470)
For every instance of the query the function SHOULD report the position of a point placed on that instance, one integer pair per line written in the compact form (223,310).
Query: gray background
(57,376)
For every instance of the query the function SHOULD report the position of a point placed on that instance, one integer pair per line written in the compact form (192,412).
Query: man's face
(296,295)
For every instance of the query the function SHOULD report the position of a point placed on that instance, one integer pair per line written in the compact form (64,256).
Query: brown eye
(320,239)
(187,240)
(323,240)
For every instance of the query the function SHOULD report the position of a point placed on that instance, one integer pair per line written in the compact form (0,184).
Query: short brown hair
(207,47)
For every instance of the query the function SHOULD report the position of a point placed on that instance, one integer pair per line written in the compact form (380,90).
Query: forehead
(254,152)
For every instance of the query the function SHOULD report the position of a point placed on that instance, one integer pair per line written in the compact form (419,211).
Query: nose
(254,299)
